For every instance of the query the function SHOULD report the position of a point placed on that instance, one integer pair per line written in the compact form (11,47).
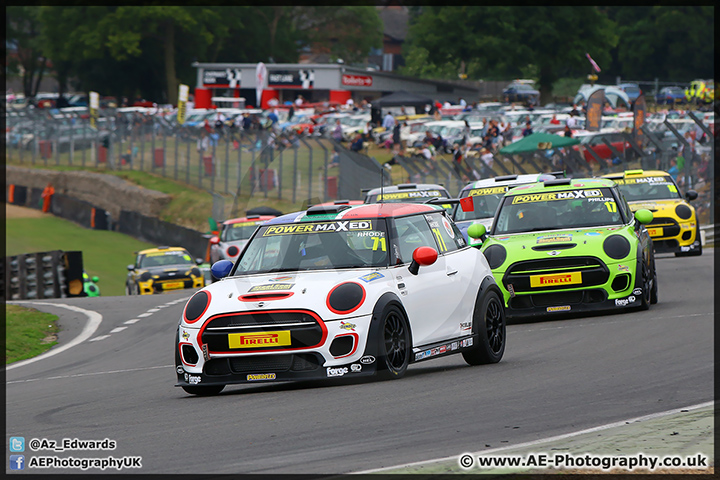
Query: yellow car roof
(161,249)
(637,173)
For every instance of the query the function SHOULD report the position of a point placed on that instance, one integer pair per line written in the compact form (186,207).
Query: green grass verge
(105,254)
(28,333)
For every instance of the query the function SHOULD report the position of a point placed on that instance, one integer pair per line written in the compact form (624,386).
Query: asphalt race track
(556,377)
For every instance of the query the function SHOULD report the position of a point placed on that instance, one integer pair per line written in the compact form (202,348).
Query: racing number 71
(379,241)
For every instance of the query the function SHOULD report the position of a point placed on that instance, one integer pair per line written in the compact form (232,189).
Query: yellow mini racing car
(675,226)
(163,269)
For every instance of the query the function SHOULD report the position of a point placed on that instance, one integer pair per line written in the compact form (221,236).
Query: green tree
(672,43)
(343,32)
(502,42)
(23,31)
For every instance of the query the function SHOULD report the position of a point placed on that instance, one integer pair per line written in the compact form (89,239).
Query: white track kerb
(94,319)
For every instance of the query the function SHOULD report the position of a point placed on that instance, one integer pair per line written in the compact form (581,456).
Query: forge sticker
(548,197)
(554,238)
(271,287)
(416,194)
(477,192)
(318,227)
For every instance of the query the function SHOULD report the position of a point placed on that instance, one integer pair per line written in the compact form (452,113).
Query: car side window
(443,232)
(413,232)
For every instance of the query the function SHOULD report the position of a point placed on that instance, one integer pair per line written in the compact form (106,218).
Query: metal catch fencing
(226,160)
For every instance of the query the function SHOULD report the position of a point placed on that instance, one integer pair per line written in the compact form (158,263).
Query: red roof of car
(387,210)
(261,218)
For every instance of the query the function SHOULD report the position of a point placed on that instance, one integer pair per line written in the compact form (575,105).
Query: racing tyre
(646,293)
(697,252)
(395,344)
(654,290)
(489,324)
(206,391)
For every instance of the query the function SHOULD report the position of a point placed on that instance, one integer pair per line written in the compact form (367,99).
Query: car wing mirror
(644,216)
(422,256)
(214,240)
(199,261)
(131,267)
(221,269)
(477,231)
(691,195)
(95,279)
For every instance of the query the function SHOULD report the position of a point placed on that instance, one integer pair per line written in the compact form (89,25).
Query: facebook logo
(17,444)
(17,462)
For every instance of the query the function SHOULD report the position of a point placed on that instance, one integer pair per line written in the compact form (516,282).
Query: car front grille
(670,227)
(592,272)
(264,364)
(558,298)
(305,328)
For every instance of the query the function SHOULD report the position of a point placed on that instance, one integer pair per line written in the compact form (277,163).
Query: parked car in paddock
(163,269)
(670,96)
(234,234)
(675,227)
(569,245)
(487,195)
(339,291)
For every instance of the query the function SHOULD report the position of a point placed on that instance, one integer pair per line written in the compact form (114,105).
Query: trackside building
(316,83)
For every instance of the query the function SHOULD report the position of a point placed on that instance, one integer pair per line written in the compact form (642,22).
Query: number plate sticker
(173,285)
(259,339)
(655,232)
(555,279)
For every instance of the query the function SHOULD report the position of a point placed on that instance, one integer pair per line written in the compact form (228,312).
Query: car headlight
(683,211)
(145,277)
(233,250)
(496,255)
(195,272)
(616,246)
(196,306)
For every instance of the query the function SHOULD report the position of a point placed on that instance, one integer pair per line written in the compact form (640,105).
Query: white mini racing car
(341,291)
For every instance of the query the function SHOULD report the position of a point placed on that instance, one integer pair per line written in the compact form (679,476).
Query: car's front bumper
(591,300)
(670,236)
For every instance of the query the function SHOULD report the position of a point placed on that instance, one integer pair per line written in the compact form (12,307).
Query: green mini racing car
(569,245)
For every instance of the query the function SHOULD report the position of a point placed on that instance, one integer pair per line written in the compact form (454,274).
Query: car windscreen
(414,196)
(648,188)
(161,259)
(318,245)
(238,231)
(485,203)
(557,210)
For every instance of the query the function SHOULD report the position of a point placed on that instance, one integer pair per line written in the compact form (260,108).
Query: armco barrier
(158,232)
(54,274)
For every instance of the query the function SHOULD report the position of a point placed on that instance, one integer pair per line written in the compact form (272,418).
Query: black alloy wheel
(395,343)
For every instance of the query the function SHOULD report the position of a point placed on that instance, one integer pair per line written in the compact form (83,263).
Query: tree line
(146,51)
